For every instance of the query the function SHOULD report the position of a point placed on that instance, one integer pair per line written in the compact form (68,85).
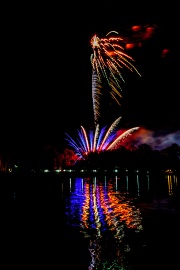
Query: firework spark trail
(121,137)
(96,92)
(107,59)
(110,130)
(96,138)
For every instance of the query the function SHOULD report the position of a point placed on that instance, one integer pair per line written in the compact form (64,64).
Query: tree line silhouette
(50,158)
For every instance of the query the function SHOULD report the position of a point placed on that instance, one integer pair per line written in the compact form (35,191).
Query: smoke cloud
(157,140)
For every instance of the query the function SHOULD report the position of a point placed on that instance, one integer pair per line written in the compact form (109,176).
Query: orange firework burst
(107,61)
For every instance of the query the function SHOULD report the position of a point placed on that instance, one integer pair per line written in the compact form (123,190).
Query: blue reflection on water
(106,217)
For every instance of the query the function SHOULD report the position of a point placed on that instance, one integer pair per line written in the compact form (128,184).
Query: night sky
(46,77)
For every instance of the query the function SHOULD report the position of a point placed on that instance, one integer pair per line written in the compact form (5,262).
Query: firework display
(100,140)
(108,59)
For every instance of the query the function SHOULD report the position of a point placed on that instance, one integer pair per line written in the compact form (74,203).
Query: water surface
(125,221)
